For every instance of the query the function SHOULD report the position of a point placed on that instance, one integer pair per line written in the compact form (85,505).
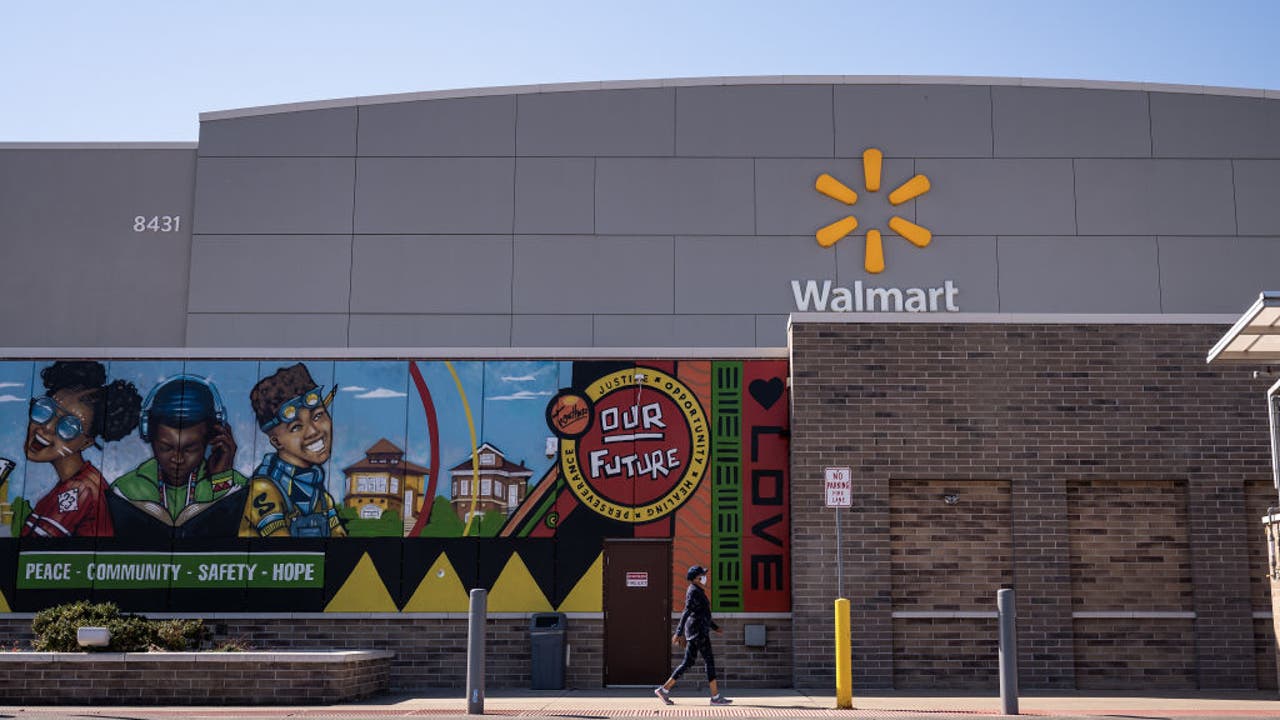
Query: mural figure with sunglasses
(181,488)
(287,494)
(78,406)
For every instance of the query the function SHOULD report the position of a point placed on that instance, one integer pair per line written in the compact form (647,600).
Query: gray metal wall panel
(313,133)
(1079,274)
(997,197)
(570,274)
(270,196)
(913,120)
(1153,197)
(479,126)
(1216,275)
(67,223)
(969,262)
(1062,122)
(1207,126)
(1257,186)
(431,274)
(675,330)
(430,330)
(788,204)
(746,274)
(266,330)
(129,290)
(605,122)
(555,331)
(435,195)
(754,121)
(243,274)
(555,195)
(670,196)
(771,330)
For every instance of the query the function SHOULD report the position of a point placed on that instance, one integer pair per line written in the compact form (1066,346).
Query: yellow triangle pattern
(4,605)
(363,591)
(588,594)
(440,590)
(516,591)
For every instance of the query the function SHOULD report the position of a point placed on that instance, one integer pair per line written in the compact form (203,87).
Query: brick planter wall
(191,678)
(1098,468)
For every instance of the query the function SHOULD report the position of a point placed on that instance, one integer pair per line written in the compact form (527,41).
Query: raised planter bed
(188,678)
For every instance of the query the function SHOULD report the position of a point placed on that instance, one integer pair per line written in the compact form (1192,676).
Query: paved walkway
(605,704)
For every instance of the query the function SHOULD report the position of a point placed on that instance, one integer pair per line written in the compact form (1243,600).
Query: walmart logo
(873,253)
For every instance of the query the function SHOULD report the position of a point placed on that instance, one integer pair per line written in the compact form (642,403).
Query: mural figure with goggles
(185,423)
(287,494)
(78,406)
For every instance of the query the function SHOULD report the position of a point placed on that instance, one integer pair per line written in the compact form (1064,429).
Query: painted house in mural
(384,480)
(503,484)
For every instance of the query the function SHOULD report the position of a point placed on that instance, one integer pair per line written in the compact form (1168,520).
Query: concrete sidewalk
(635,703)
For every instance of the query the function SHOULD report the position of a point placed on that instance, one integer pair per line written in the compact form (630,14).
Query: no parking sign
(839,487)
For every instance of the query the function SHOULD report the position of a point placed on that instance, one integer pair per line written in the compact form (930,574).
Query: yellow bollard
(844,669)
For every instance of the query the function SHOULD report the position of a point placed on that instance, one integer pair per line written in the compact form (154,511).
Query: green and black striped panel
(726,488)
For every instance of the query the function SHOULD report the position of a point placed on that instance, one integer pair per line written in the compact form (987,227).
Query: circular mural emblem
(642,451)
(569,414)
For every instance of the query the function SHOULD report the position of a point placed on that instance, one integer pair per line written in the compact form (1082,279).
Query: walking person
(694,633)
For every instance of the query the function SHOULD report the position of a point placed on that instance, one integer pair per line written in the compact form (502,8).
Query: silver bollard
(475,651)
(1005,600)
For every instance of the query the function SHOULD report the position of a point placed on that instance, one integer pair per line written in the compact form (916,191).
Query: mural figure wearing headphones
(185,423)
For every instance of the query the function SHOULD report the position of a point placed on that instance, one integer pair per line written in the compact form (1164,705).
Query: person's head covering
(695,572)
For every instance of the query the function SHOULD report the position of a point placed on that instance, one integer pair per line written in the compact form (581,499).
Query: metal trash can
(546,635)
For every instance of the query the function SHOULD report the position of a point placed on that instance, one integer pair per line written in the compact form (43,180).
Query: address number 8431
(157,223)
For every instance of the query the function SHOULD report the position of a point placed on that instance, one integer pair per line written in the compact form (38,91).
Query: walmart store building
(574,339)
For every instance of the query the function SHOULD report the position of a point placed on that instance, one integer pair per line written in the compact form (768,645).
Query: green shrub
(130,633)
(55,629)
(179,635)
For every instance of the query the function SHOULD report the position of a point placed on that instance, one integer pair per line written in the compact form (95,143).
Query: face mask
(702,579)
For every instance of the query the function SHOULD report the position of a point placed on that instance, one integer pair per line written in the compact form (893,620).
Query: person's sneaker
(719,699)
(663,695)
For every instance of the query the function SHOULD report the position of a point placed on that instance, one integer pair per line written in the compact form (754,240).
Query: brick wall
(948,542)
(1129,547)
(1128,654)
(946,653)
(431,653)
(1055,412)
(179,679)
(1264,644)
(944,556)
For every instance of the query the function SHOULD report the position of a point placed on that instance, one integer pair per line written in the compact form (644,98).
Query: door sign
(638,579)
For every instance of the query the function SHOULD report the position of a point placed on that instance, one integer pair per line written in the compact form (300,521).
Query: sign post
(839,491)
(839,481)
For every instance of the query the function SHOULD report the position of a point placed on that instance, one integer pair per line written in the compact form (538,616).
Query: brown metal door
(637,612)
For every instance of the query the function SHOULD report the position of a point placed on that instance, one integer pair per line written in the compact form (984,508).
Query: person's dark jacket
(696,620)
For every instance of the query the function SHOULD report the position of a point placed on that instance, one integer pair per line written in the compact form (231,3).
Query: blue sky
(142,70)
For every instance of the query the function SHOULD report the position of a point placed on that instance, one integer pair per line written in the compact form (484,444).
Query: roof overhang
(1256,335)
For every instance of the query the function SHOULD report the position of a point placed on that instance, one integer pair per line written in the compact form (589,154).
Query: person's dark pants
(700,645)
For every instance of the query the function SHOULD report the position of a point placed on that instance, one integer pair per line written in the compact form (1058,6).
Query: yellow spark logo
(873,254)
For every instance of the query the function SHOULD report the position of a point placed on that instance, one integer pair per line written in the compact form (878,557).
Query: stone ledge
(192,678)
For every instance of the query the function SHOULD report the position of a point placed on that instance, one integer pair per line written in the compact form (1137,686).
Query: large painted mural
(385,486)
